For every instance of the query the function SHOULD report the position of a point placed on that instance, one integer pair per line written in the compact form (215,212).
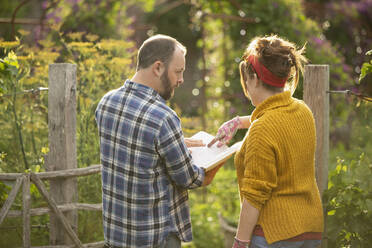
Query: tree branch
(14,15)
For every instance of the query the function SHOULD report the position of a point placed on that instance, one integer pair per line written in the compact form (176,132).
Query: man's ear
(158,68)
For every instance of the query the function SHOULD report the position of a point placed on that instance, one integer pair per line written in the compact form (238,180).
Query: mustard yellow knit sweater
(275,168)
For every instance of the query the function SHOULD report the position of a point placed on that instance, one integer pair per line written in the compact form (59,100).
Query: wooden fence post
(26,199)
(316,85)
(62,144)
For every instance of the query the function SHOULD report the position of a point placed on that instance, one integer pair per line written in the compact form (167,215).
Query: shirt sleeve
(177,158)
(260,174)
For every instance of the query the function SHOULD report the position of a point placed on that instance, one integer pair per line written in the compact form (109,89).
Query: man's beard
(167,86)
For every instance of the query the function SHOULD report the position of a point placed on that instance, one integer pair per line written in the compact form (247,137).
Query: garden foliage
(102,49)
(102,65)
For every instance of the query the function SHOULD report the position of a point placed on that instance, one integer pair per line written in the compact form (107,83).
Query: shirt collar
(143,88)
(275,101)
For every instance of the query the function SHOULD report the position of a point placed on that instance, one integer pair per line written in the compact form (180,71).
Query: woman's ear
(158,68)
(256,81)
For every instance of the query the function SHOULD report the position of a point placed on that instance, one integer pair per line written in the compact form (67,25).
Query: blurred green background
(102,38)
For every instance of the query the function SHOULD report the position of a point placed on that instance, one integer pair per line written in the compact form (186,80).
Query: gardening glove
(226,132)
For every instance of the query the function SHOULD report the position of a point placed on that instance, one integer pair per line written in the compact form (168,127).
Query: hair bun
(265,50)
(291,59)
(280,56)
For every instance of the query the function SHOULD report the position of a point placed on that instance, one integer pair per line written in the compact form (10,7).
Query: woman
(281,205)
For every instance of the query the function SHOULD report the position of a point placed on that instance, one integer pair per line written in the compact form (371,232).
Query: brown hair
(279,56)
(158,47)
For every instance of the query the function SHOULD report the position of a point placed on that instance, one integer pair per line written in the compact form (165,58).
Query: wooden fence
(61,163)
(27,212)
(61,169)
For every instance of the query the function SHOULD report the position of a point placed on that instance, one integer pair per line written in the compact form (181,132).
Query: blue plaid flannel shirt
(146,168)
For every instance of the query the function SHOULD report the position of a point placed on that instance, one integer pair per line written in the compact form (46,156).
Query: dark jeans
(260,242)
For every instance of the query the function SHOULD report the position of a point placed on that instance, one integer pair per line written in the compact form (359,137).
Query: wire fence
(349,92)
(30,91)
(345,92)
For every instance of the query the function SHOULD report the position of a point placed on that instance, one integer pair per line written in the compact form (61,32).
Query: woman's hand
(240,243)
(226,132)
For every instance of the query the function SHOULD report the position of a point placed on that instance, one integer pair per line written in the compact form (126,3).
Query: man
(146,166)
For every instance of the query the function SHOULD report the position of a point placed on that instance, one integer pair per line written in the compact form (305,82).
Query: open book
(209,158)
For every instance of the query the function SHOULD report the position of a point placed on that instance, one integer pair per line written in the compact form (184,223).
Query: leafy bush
(221,197)
(102,65)
(348,202)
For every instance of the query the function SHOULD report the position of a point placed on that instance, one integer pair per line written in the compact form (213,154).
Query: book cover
(209,158)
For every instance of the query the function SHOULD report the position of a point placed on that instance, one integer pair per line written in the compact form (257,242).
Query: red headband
(264,74)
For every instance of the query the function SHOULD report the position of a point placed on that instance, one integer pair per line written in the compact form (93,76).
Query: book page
(208,158)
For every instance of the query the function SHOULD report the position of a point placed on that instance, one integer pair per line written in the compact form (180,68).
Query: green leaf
(330,184)
(366,69)
(332,212)
(338,168)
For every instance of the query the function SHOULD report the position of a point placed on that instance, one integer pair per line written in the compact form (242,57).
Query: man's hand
(193,142)
(209,175)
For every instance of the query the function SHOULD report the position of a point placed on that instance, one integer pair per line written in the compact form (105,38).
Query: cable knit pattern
(275,168)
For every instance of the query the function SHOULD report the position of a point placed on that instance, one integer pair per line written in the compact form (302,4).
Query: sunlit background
(102,37)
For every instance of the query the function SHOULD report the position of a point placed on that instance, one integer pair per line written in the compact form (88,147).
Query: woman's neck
(264,94)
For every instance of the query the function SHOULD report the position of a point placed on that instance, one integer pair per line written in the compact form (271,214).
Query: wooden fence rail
(11,197)
(93,169)
(53,205)
(62,208)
